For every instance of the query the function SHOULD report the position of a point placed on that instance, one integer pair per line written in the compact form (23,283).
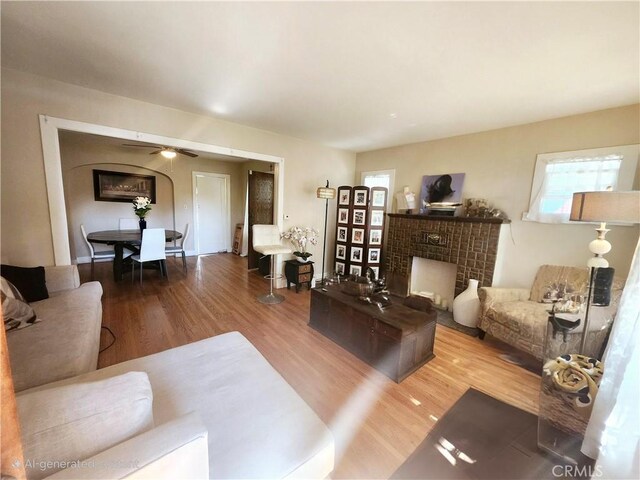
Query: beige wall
(26,230)
(81,154)
(499,166)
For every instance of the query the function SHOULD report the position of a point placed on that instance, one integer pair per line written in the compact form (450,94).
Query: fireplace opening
(435,280)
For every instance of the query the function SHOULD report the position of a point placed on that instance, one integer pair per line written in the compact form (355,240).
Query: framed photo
(122,187)
(339,268)
(342,234)
(360,197)
(341,252)
(355,270)
(356,254)
(377,218)
(343,215)
(445,188)
(373,256)
(378,198)
(343,197)
(376,272)
(357,235)
(375,237)
(359,216)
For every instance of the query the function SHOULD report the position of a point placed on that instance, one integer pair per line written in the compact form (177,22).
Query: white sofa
(219,411)
(66,342)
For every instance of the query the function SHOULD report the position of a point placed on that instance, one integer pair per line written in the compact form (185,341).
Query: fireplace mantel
(469,242)
(451,219)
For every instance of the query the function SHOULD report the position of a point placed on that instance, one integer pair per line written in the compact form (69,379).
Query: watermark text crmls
(579,471)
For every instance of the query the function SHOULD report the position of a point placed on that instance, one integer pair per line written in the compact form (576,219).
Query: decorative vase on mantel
(466,306)
(143,224)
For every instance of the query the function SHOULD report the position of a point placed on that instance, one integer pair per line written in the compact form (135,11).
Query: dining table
(121,239)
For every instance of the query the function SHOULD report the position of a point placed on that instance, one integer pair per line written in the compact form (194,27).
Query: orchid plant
(141,206)
(300,238)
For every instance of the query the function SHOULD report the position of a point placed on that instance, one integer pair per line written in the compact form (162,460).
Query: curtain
(613,433)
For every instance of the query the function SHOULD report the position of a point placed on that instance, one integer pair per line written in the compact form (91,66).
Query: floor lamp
(325,193)
(608,206)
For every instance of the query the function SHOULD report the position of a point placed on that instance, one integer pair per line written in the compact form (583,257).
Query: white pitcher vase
(466,306)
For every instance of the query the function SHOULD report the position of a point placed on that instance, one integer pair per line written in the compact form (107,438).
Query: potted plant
(300,238)
(142,206)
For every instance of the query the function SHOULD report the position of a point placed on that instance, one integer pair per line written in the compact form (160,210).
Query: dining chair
(129,224)
(179,247)
(267,241)
(151,250)
(100,254)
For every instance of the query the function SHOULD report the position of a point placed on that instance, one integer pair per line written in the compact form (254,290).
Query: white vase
(466,306)
(303,259)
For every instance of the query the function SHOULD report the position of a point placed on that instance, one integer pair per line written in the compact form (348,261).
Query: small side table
(298,273)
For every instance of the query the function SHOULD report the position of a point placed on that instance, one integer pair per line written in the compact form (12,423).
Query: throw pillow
(16,312)
(74,422)
(30,281)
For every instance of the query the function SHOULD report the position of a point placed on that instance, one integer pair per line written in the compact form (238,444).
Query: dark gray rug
(481,438)
(445,319)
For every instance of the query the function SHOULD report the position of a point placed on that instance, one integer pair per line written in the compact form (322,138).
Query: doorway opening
(49,132)
(211,212)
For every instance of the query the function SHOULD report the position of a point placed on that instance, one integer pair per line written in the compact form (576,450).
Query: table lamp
(607,206)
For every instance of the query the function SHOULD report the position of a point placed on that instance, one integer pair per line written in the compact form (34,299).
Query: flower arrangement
(142,206)
(300,237)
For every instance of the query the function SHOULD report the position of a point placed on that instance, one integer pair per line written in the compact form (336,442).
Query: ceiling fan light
(168,153)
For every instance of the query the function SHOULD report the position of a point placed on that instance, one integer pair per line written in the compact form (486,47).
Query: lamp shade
(606,207)
(326,193)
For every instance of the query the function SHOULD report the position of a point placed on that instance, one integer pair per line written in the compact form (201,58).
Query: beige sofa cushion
(64,344)
(577,278)
(75,422)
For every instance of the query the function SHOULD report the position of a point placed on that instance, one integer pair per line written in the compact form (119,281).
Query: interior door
(261,198)
(212,224)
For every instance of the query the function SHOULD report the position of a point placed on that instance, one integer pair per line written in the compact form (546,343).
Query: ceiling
(352,75)
(116,145)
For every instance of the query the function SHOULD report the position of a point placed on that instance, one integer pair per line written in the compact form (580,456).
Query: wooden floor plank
(377,423)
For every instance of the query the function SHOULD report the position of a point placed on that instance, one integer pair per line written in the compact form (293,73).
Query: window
(559,175)
(380,178)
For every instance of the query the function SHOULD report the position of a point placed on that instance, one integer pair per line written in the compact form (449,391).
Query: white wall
(499,166)
(26,232)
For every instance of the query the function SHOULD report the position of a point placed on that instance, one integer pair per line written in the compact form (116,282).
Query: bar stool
(267,241)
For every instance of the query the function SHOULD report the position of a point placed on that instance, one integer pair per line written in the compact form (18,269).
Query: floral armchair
(519,317)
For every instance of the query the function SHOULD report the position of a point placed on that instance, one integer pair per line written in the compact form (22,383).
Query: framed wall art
(122,187)
(344,195)
(342,234)
(374,255)
(376,272)
(378,197)
(375,237)
(356,254)
(355,270)
(357,236)
(359,216)
(341,252)
(360,196)
(340,268)
(377,218)
(343,215)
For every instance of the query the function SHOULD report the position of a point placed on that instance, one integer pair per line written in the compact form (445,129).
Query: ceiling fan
(166,152)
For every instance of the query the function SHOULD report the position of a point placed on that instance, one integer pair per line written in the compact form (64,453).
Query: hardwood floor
(376,422)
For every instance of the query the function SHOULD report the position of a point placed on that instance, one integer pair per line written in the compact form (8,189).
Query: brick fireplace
(470,243)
